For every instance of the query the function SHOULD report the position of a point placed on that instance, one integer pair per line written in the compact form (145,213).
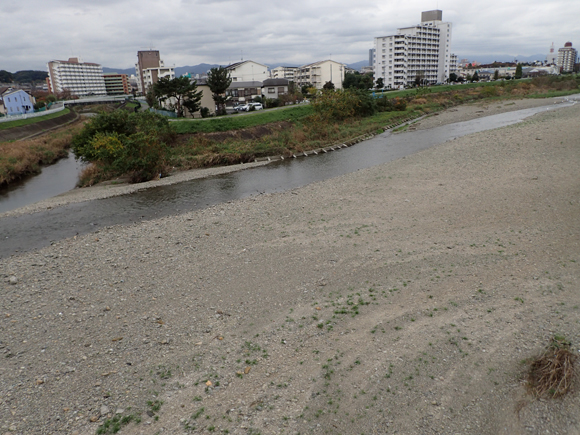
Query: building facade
(16,102)
(77,77)
(284,72)
(274,88)
(318,73)
(117,84)
(567,57)
(149,69)
(248,71)
(417,54)
(243,92)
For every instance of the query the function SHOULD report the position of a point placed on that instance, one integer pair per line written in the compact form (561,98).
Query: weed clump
(552,373)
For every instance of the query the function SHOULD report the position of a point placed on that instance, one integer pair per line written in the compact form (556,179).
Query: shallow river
(27,232)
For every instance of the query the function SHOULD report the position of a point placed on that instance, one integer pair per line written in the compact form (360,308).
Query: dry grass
(552,374)
(24,157)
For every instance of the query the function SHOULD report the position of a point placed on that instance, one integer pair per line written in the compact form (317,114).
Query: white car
(256,106)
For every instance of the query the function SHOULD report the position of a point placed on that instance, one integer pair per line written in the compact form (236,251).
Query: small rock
(13,280)
(247,370)
(104,410)
(94,418)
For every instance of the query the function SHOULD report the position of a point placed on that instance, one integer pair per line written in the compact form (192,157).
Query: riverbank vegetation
(25,157)
(142,146)
(20,122)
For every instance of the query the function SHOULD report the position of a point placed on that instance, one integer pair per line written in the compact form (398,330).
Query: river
(32,231)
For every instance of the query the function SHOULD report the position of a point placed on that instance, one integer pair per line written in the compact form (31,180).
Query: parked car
(256,106)
(241,108)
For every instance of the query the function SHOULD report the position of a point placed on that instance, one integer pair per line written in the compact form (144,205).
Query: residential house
(248,71)
(243,92)
(17,102)
(318,73)
(206,98)
(274,88)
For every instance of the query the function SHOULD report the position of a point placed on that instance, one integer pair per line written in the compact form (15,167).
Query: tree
(219,80)
(420,78)
(380,84)
(329,86)
(475,77)
(496,74)
(366,81)
(452,77)
(150,97)
(518,71)
(304,88)
(181,92)
(351,80)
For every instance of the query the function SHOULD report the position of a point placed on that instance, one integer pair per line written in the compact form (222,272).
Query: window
(271,91)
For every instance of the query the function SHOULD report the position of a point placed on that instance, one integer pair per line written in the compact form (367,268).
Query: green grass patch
(21,122)
(238,122)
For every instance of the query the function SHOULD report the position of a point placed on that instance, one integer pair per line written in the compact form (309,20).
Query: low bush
(121,143)
(341,104)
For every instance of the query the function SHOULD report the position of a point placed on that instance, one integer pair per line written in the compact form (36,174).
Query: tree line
(27,76)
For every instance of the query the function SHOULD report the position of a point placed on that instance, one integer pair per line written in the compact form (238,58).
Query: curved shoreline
(110,189)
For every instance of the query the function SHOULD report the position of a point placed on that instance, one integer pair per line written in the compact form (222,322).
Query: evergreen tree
(219,80)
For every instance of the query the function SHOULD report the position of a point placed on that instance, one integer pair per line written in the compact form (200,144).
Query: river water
(26,232)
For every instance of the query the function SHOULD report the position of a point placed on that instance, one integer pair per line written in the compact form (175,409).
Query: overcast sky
(189,32)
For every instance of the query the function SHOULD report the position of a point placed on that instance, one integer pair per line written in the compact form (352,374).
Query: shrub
(342,104)
(120,143)
(204,112)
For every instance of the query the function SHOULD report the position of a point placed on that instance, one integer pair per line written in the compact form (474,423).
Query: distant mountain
(127,71)
(202,68)
(358,65)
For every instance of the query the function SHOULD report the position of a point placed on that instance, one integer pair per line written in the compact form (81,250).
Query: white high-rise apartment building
(420,52)
(75,76)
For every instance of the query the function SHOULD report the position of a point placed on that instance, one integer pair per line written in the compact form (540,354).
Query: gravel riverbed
(405,298)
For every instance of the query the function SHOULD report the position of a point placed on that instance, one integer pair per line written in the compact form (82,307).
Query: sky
(297,32)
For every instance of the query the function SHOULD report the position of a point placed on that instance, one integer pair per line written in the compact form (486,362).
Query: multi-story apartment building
(453,64)
(567,57)
(117,84)
(318,73)
(248,71)
(284,72)
(150,68)
(418,53)
(77,77)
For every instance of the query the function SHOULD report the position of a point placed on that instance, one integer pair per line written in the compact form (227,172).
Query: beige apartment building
(318,73)
(567,57)
(284,72)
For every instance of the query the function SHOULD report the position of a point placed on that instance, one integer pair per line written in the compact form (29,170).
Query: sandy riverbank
(404,298)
